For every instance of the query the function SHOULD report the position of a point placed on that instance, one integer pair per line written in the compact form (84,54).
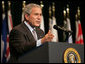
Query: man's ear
(26,16)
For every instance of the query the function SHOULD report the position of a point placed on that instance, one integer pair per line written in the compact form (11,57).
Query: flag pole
(23,6)
(53,9)
(42,21)
(78,12)
(41,4)
(64,13)
(64,34)
(9,4)
(50,12)
(67,9)
(24,3)
(76,17)
(3,6)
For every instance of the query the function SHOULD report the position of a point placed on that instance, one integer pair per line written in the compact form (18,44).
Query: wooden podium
(51,52)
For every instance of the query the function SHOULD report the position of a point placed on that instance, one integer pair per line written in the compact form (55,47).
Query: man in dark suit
(28,35)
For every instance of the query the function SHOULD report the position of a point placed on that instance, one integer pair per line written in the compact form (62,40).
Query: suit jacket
(21,40)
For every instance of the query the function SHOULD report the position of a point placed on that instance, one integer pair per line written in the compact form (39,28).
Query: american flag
(5,51)
(10,26)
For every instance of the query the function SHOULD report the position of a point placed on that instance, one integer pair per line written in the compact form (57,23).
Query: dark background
(16,9)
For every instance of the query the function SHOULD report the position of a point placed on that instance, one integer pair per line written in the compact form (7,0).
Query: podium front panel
(51,52)
(56,51)
(36,55)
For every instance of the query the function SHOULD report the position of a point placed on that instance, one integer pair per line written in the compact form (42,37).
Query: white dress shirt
(38,43)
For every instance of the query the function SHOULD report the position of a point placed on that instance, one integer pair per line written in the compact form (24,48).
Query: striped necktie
(34,34)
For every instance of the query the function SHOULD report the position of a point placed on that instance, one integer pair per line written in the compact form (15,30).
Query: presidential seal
(71,56)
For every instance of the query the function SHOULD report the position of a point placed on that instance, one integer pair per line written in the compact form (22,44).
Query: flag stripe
(79,35)
(79,42)
(7,51)
(10,24)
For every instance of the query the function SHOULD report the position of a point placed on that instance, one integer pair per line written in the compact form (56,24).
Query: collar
(28,25)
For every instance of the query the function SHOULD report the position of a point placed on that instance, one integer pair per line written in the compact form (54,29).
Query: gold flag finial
(9,4)
(64,13)
(53,8)
(67,10)
(24,3)
(78,11)
(41,4)
(3,6)
(76,16)
(49,11)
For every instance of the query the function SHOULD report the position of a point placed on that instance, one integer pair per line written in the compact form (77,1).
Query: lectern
(51,52)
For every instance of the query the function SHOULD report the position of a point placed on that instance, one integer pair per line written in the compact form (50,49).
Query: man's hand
(48,37)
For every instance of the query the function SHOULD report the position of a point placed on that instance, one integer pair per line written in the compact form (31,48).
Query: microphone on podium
(61,28)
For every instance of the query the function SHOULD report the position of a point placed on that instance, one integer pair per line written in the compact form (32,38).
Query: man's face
(35,16)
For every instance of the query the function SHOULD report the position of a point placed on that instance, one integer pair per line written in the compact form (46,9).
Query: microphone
(62,29)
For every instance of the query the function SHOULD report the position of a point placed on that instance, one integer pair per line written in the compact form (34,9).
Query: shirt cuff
(38,42)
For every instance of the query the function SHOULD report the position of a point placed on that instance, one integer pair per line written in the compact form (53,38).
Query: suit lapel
(28,32)
(39,32)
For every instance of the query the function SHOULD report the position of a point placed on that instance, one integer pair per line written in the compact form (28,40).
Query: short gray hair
(28,8)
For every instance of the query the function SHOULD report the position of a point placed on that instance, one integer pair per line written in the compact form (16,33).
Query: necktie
(34,34)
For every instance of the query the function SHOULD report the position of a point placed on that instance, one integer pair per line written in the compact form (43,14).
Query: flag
(24,3)
(64,33)
(2,48)
(79,34)
(42,24)
(69,28)
(52,22)
(6,28)
(10,26)
(3,38)
(22,16)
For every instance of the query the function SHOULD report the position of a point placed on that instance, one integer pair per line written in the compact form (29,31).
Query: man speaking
(28,35)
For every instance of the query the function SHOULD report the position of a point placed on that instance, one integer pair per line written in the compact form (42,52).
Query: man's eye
(36,14)
(40,14)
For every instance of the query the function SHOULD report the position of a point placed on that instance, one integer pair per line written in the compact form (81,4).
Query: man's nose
(39,17)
